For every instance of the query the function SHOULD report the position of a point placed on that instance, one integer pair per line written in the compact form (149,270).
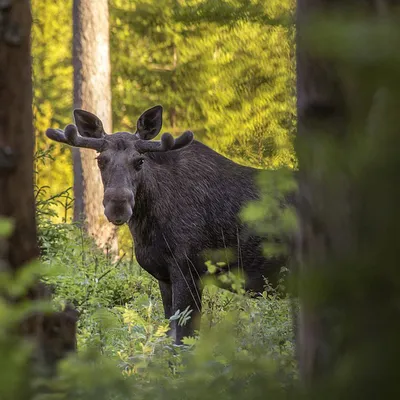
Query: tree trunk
(319,106)
(16,180)
(347,212)
(16,135)
(92,92)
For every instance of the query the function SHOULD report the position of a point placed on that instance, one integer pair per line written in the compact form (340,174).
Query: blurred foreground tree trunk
(347,145)
(92,92)
(16,134)
(17,201)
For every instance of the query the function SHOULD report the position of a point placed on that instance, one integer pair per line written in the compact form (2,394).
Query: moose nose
(118,196)
(118,205)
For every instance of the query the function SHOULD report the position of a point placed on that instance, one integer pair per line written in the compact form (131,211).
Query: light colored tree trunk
(92,92)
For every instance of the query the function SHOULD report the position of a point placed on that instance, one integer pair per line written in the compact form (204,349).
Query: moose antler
(70,136)
(166,143)
(183,140)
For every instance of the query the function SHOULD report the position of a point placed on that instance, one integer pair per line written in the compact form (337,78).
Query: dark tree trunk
(16,180)
(320,105)
(16,135)
(92,92)
(347,215)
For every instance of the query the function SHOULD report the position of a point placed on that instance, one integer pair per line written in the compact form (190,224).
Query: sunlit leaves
(232,85)
(52,91)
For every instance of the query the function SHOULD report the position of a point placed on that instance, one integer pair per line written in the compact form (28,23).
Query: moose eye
(138,162)
(101,161)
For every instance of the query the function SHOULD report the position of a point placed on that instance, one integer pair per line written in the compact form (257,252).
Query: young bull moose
(180,199)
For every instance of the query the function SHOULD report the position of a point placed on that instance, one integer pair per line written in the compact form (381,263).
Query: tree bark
(92,92)
(345,177)
(16,135)
(16,181)
(320,106)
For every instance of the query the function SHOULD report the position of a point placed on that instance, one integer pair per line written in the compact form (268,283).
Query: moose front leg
(166,296)
(186,293)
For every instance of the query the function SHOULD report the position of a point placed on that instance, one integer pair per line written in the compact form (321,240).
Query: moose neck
(182,182)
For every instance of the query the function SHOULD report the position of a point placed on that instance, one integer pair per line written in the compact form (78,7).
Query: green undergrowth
(245,349)
(246,345)
(121,311)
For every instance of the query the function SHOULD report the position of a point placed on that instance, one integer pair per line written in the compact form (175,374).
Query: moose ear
(149,123)
(71,311)
(88,124)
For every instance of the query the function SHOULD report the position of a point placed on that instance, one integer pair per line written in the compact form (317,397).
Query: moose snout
(118,205)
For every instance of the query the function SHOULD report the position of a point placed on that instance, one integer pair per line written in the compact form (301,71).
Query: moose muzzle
(118,205)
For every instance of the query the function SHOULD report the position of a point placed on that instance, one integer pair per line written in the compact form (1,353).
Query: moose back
(180,200)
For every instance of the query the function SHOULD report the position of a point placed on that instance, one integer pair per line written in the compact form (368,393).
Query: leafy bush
(122,320)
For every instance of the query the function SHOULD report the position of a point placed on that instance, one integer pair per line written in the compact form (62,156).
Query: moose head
(122,156)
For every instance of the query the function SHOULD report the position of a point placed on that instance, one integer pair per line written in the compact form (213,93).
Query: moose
(181,200)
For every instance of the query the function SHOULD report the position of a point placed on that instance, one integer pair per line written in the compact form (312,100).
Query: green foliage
(52,93)
(223,12)
(155,60)
(6,227)
(249,105)
(232,85)
(121,308)
(15,354)
(274,214)
(246,345)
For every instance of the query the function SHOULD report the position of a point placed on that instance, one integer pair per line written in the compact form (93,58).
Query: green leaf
(6,227)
